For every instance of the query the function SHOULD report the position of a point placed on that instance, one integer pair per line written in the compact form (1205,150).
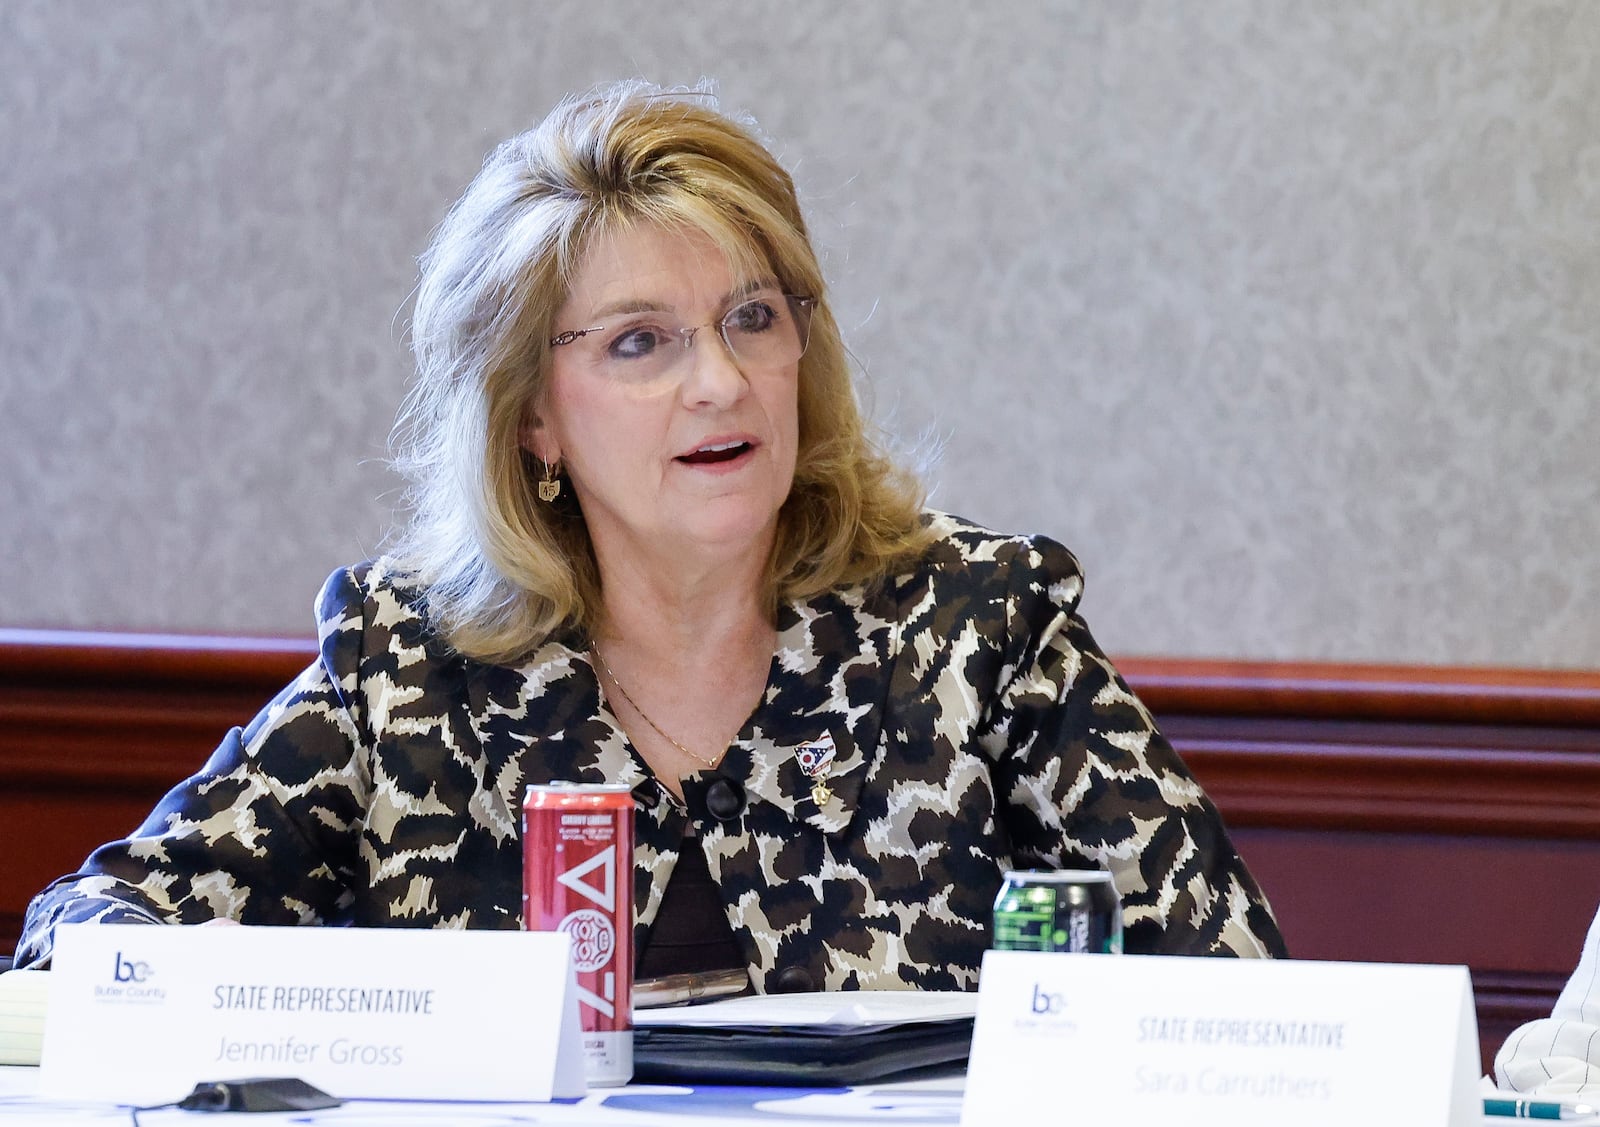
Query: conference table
(1036,1081)
(927,1101)
(923,1102)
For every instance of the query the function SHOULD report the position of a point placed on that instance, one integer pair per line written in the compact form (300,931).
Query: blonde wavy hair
(501,570)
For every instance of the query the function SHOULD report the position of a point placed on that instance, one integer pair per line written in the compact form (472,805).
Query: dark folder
(853,1037)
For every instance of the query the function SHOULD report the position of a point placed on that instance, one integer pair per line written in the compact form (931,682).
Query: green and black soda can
(1059,910)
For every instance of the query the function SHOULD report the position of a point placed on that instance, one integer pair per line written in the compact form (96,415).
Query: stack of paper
(839,1011)
(22,1004)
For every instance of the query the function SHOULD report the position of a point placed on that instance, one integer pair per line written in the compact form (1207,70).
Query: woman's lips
(715,453)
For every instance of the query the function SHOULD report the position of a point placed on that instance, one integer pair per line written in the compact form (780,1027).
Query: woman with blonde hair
(652,544)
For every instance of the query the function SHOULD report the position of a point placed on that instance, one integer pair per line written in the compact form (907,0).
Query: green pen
(1536,1109)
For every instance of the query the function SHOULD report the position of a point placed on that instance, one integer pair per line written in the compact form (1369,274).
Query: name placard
(1222,1042)
(142,1014)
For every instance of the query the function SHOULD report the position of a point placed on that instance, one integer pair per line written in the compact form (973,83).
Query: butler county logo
(1045,1015)
(131,982)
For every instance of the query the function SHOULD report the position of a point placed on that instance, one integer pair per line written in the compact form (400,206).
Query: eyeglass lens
(767,331)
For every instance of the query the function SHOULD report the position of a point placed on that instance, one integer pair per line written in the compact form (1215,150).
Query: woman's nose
(714,373)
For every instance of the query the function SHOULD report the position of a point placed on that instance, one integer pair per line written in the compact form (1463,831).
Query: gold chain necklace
(645,716)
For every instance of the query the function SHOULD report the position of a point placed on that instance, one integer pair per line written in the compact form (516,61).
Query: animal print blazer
(974,727)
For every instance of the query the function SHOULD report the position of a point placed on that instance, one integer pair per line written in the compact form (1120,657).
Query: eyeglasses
(767,331)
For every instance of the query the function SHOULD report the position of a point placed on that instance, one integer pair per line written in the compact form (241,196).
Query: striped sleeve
(1559,1055)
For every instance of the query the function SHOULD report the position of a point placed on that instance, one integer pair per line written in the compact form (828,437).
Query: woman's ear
(534,437)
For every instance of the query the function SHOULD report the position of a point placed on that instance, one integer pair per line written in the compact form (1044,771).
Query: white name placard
(1142,1040)
(142,1014)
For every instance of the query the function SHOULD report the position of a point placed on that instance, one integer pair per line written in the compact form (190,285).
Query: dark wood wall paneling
(1393,814)
(1400,814)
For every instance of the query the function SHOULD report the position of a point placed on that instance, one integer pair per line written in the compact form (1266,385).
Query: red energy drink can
(577,877)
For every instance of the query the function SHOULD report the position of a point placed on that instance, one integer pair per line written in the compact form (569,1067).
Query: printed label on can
(1071,910)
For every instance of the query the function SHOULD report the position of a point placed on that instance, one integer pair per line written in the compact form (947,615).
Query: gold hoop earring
(550,487)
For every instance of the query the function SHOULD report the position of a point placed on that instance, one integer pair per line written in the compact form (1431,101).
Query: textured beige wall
(1282,315)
